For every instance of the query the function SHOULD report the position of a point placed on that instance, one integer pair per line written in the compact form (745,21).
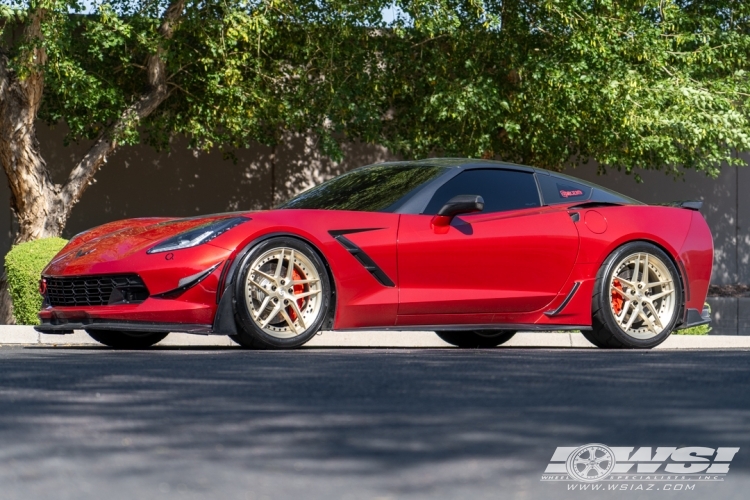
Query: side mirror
(461,204)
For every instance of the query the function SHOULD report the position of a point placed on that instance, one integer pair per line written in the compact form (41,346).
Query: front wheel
(477,338)
(283,295)
(637,298)
(126,340)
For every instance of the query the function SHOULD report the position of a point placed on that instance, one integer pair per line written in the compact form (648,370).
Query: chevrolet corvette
(474,250)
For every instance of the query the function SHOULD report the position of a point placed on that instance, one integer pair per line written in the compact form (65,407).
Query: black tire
(250,334)
(477,338)
(589,335)
(126,340)
(606,333)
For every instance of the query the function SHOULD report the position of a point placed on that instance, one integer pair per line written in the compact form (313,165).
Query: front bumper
(193,312)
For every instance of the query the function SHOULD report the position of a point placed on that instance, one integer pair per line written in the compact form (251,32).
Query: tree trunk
(32,190)
(41,206)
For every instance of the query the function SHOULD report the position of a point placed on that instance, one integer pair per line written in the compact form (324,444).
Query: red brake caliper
(296,276)
(617,300)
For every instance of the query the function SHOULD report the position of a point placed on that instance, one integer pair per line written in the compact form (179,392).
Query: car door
(512,257)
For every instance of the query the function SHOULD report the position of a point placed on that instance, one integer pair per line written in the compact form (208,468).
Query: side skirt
(493,326)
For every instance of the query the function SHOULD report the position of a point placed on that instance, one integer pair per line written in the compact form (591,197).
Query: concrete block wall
(730,315)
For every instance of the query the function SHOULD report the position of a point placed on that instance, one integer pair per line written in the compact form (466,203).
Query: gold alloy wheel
(283,292)
(642,295)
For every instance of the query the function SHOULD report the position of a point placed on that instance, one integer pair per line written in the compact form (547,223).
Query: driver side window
(502,190)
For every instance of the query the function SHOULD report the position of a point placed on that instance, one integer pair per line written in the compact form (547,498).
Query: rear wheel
(283,295)
(477,338)
(126,340)
(637,298)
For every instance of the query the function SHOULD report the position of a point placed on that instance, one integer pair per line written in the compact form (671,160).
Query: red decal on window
(568,194)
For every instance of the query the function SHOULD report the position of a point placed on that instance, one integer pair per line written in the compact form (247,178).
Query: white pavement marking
(26,335)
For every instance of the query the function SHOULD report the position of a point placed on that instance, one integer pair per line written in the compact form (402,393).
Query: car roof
(467,163)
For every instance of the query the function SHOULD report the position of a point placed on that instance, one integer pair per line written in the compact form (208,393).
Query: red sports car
(474,250)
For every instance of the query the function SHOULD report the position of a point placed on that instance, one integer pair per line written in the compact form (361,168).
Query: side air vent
(361,256)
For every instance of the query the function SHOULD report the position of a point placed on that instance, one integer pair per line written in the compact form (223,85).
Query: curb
(26,335)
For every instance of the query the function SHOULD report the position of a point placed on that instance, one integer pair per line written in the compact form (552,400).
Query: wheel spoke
(306,294)
(290,269)
(277,273)
(288,320)
(644,273)
(295,307)
(271,315)
(265,275)
(625,282)
(658,283)
(621,292)
(649,321)
(633,315)
(258,286)
(636,268)
(661,294)
(652,310)
(263,305)
(625,308)
(305,282)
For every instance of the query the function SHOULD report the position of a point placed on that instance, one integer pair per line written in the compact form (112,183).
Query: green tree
(631,84)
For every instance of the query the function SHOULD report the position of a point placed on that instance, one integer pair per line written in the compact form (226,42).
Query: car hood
(121,239)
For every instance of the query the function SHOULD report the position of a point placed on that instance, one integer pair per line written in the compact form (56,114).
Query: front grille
(96,290)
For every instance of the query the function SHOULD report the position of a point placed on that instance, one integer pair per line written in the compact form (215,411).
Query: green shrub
(696,330)
(23,265)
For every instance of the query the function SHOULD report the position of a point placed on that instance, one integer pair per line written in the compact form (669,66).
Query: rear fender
(696,256)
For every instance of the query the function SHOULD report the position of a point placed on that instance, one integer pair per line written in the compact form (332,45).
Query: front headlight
(197,236)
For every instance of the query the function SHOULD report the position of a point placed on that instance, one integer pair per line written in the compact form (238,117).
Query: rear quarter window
(559,190)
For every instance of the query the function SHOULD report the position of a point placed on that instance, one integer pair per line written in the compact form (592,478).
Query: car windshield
(379,188)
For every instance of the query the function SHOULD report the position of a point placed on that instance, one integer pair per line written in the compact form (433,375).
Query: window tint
(380,188)
(501,190)
(561,190)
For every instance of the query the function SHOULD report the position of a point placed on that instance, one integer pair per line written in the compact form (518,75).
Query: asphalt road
(353,423)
